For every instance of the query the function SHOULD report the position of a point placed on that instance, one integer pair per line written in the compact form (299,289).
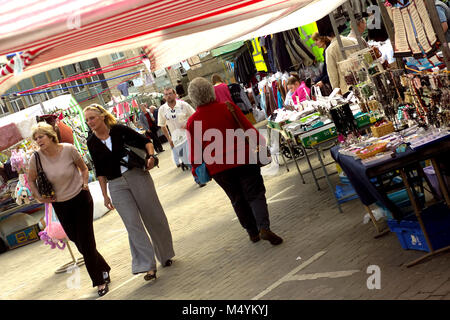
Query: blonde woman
(132,190)
(67,172)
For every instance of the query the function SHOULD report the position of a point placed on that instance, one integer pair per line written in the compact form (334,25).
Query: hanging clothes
(123,88)
(300,47)
(9,135)
(281,89)
(239,97)
(266,48)
(270,101)
(282,55)
(65,132)
(244,65)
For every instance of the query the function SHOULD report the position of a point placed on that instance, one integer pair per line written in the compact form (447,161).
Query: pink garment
(127,106)
(9,135)
(222,93)
(301,94)
(134,104)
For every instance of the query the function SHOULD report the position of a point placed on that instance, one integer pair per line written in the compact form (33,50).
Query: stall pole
(78,262)
(442,183)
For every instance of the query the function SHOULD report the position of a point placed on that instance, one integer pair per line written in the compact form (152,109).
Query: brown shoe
(270,236)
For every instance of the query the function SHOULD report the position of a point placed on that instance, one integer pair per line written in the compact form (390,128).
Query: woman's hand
(85,187)
(150,163)
(108,203)
(45,200)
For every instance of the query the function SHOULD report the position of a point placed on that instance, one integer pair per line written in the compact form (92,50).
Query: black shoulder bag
(44,186)
(137,158)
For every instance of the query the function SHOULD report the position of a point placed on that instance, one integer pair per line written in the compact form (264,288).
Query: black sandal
(103,291)
(149,277)
(168,263)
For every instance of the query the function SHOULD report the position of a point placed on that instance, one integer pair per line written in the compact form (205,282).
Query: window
(31,99)
(17,104)
(87,65)
(77,89)
(93,78)
(3,110)
(40,79)
(117,56)
(62,86)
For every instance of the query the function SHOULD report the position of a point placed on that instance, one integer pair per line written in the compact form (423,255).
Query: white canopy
(54,33)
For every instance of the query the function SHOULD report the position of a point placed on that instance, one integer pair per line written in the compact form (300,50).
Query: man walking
(173,116)
(151,129)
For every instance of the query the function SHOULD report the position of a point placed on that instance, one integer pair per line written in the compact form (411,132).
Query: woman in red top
(216,139)
(221,89)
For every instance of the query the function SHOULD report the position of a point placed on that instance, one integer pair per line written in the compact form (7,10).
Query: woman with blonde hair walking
(132,190)
(72,201)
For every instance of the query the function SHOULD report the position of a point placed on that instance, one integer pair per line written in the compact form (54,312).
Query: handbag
(44,186)
(137,158)
(260,162)
(202,173)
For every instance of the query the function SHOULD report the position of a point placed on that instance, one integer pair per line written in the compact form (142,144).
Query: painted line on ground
(276,195)
(289,275)
(282,199)
(314,276)
(12,291)
(120,286)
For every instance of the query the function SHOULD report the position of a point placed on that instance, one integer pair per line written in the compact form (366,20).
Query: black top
(106,162)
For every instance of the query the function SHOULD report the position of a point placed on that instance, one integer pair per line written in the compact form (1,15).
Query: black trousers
(153,135)
(76,216)
(244,186)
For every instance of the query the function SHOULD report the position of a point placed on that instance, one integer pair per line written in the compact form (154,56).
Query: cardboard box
(23,237)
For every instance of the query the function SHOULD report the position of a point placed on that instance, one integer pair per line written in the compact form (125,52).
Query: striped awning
(53,33)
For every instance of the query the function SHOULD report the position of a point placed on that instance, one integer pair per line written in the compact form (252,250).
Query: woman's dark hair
(216,78)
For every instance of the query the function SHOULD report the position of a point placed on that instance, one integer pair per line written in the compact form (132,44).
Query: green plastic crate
(322,134)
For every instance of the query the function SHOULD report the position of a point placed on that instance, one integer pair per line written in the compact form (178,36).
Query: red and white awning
(53,33)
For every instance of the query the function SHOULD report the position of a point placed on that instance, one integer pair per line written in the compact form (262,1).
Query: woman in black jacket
(132,190)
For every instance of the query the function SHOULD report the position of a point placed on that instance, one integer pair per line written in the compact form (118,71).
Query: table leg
(328,179)
(281,153)
(423,175)
(442,184)
(416,211)
(413,263)
(372,217)
(295,160)
(311,168)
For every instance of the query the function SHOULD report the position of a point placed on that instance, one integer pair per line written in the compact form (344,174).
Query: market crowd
(123,159)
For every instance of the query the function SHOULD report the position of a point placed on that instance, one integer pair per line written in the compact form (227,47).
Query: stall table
(360,176)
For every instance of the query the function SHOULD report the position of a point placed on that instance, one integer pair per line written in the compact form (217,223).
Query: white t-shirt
(175,119)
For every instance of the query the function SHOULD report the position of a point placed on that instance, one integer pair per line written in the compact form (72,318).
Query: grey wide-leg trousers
(135,199)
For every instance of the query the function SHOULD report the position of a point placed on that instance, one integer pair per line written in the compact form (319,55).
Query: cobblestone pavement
(325,254)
